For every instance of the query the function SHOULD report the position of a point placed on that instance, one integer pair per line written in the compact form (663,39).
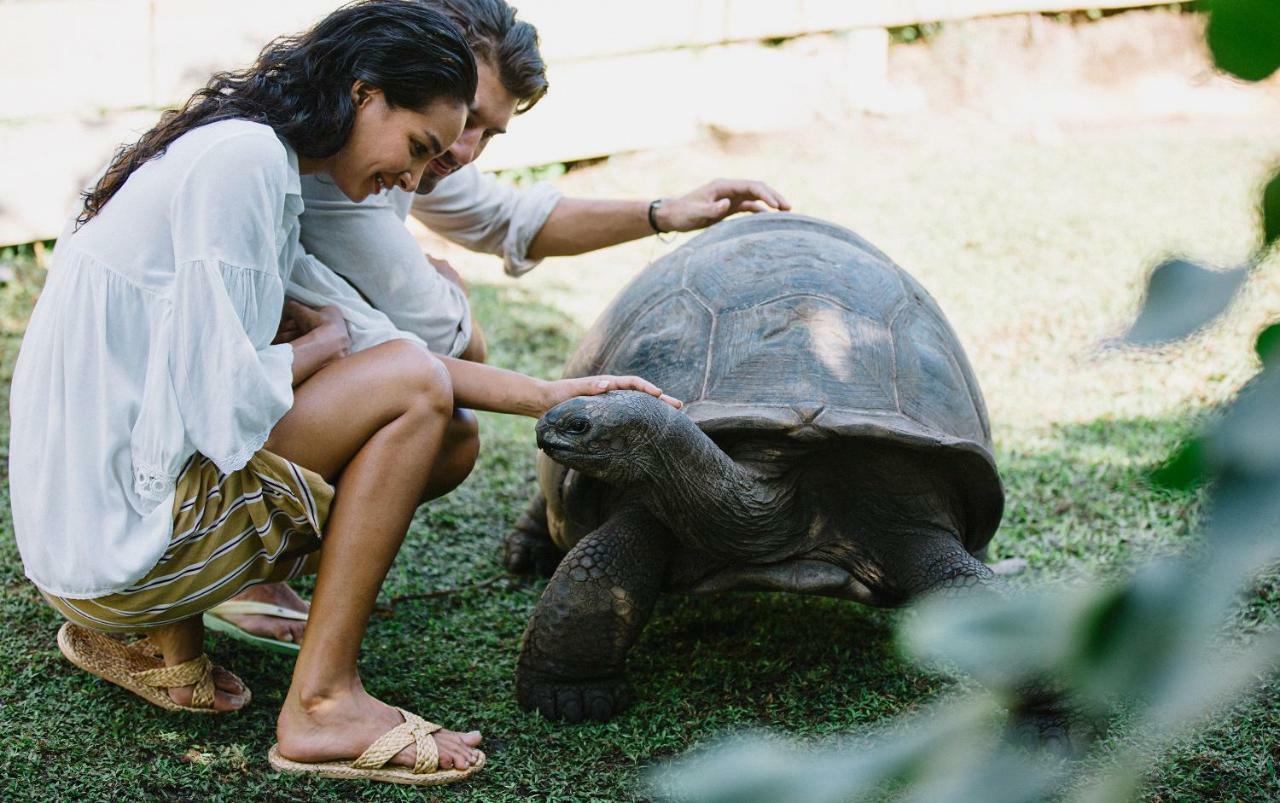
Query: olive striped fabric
(261,524)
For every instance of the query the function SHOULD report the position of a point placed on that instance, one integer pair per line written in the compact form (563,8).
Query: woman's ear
(362,92)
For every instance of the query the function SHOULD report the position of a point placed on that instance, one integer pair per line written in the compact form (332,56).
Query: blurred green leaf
(1271,211)
(938,754)
(1003,643)
(1128,638)
(1247,439)
(1268,345)
(1182,297)
(1244,36)
(1186,469)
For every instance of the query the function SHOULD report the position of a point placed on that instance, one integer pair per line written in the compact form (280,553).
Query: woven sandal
(213,621)
(138,668)
(372,763)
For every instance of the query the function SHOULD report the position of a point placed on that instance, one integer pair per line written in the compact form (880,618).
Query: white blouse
(152,341)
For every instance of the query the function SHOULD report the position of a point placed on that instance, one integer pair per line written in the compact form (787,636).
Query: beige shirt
(368,244)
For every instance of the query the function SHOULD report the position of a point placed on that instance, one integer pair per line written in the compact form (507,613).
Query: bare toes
(226,681)
(228,702)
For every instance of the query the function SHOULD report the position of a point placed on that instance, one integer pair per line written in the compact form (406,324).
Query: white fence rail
(78,77)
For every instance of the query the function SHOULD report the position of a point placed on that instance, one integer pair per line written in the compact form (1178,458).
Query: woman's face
(392,146)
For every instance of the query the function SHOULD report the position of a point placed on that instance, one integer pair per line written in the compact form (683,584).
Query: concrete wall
(78,77)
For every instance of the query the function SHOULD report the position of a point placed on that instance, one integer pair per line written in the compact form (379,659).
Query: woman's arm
(483,387)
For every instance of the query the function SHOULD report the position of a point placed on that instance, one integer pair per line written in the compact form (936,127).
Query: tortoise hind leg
(573,658)
(528,548)
(939,564)
(1040,715)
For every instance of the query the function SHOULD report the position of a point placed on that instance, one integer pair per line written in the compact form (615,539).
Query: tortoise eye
(577,426)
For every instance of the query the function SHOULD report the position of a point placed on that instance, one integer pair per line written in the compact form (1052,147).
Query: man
(368,244)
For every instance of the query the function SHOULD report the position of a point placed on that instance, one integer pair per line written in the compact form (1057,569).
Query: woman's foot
(341,727)
(272,627)
(181,642)
(229,694)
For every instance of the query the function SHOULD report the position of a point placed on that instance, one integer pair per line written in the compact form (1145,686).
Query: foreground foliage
(1155,645)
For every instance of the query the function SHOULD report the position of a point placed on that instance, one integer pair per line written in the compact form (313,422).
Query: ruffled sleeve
(225,383)
(232,384)
(476,211)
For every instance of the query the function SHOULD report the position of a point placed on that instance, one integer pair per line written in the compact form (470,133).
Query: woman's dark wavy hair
(301,85)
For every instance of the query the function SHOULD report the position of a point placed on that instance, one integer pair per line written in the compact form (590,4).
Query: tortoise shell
(785,324)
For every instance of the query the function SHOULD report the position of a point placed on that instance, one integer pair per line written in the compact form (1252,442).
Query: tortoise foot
(1053,731)
(529,554)
(572,700)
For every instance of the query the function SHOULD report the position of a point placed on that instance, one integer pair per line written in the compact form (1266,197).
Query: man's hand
(446,270)
(716,200)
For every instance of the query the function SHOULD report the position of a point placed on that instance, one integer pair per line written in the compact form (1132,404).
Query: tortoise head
(615,436)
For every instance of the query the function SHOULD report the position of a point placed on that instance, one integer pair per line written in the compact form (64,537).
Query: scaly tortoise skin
(834,441)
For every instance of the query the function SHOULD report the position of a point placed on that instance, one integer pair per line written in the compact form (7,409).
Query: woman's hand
(564,389)
(318,337)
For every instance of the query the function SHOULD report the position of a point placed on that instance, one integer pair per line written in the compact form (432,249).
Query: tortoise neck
(714,504)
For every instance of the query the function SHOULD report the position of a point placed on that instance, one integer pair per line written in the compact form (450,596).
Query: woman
(166,454)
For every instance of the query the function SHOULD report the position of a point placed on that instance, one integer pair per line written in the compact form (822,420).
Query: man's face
(486,118)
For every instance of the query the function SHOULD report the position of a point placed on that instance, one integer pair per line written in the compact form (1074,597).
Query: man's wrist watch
(653,214)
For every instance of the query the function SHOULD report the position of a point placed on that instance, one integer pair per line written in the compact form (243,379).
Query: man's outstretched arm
(579,225)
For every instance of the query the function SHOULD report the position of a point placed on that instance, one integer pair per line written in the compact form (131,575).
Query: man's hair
(509,45)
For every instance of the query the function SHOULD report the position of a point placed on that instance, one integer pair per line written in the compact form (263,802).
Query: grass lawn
(1037,251)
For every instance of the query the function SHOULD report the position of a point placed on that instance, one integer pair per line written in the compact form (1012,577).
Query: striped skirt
(261,524)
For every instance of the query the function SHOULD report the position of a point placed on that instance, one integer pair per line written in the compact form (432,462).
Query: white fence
(78,77)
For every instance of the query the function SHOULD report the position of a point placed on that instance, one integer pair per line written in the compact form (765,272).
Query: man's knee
(477,349)
(458,455)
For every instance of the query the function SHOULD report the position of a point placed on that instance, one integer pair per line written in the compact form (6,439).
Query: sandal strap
(428,755)
(198,672)
(251,608)
(414,730)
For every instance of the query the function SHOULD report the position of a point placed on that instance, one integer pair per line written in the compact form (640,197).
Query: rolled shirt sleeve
(478,212)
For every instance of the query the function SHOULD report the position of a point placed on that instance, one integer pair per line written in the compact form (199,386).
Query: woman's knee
(421,378)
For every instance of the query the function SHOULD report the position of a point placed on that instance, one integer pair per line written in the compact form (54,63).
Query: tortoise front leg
(573,658)
(528,548)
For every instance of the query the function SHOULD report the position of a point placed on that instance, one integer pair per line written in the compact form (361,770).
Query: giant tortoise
(834,441)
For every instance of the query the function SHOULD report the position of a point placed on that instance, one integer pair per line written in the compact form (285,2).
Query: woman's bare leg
(375,422)
(456,458)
